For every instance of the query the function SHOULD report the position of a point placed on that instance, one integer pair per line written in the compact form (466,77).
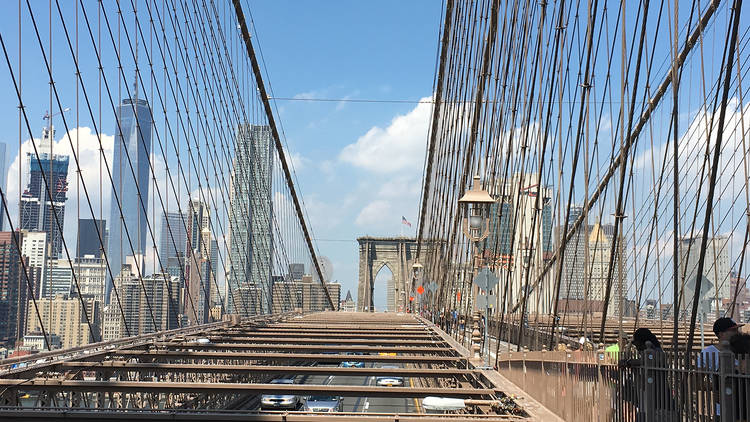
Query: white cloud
(327,167)
(392,158)
(400,146)
(401,186)
(692,146)
(373,213)
(307,95)
(295,160)
(341,104)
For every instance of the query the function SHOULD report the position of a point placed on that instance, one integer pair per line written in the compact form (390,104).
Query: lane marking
(416,400)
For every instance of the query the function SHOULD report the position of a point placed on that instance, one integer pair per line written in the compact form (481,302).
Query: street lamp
(476,227)
(476,204)
(416,271)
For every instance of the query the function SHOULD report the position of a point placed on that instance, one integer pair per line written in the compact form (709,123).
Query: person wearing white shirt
(724,328)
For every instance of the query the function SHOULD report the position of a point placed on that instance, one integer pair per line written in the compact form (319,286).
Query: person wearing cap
(724,328)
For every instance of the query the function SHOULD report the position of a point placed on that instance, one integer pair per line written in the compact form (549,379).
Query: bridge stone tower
(398,253)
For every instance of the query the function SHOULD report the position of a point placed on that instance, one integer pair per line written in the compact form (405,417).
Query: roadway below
(227,370)
(364,404)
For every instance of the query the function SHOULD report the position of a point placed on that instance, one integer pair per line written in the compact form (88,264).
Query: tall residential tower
(250,221)
(43,204)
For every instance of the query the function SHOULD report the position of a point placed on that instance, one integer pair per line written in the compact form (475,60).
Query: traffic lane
(350,404)
(363,404)
(303,379)
(374,404)
(391,404)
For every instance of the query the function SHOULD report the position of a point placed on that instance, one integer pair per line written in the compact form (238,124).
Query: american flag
(405,221)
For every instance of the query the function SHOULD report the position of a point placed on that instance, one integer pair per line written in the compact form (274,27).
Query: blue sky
(358,169)
(358,165)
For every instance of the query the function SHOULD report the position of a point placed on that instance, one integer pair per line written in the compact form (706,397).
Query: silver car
(325,404)
(284,401)
(389,380)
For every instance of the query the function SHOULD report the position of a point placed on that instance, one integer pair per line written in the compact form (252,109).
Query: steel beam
(114,415)
(307,357)
(45,384)
(338,339)
(261,369)
(310,348)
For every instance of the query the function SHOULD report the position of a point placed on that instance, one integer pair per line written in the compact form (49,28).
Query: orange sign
(420,289)
(411,298)
(458,295)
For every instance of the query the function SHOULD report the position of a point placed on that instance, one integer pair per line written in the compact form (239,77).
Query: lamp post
(416,271)
(527,254)
(475,205)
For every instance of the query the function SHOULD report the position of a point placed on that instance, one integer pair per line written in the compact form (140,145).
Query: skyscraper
(239,222)
(172,244)
(574,262)
(43,204)
(250,218)
(261,213)
(199,274)
(3,181)
(600,256)
(296,271)
(716,284)
(91,273)
(149,304)
(88,238)
(64,316)
(34,250)
(13,290)
(58,278)
(132,149)
(520,235)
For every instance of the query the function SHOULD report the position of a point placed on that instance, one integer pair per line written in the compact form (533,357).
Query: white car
(389,380)
(326,404)
(281,401)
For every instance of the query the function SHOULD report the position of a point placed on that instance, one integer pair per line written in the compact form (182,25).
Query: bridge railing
(653,385)
(535,337)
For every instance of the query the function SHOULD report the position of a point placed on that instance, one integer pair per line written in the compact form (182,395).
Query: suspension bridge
(585,176)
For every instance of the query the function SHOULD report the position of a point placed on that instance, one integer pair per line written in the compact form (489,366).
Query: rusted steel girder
(309,348)
(307,357)
(340,339)
(378,329)
(262,369)
(235,388)
(113,415)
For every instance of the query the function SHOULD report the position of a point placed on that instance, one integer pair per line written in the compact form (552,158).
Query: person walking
(708,360)
(724,329)
(740,346)
(636,391)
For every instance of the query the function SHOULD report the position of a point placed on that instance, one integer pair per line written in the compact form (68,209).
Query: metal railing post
(648,405)
(600,407)
(726,386)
